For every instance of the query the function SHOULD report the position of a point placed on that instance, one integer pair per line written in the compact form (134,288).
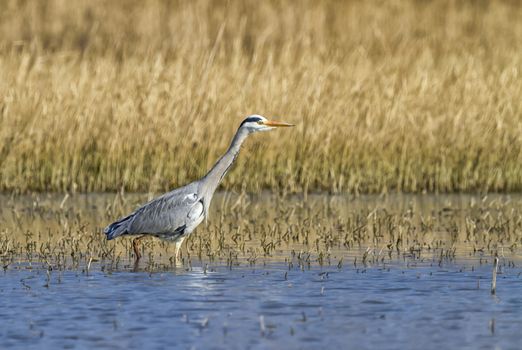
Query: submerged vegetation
(65,233)
(267,271)
(145,95)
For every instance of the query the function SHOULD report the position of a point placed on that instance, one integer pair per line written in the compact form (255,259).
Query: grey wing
(168,214)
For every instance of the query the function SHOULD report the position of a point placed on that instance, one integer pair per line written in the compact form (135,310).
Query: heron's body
(170,216)
(174,215)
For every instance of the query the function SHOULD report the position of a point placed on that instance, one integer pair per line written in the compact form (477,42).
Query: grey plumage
(174,215)
(167,216)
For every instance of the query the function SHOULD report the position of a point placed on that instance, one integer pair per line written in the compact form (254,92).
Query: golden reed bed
(145,95)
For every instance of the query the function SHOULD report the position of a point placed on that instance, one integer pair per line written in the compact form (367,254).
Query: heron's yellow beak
(275,124)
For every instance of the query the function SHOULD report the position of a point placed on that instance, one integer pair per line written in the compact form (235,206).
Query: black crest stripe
(250,119)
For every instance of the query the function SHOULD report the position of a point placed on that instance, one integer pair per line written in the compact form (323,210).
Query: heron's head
(256,122)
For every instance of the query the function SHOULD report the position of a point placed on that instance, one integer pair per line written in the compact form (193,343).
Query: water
(363,296)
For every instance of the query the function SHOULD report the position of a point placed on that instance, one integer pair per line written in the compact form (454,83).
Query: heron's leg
(136,246)
(179,241)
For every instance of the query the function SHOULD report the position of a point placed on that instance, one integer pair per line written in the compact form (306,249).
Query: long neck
(218,171)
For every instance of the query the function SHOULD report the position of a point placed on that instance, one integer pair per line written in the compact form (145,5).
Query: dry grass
(387,95)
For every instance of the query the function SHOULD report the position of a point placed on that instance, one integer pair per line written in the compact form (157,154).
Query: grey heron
(174,215)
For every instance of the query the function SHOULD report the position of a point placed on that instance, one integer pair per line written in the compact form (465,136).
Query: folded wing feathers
(160,215)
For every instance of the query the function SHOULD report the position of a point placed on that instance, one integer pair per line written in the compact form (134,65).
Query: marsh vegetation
(144,95)
(250,230)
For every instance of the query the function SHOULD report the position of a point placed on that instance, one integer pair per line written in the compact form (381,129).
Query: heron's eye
(260,122)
